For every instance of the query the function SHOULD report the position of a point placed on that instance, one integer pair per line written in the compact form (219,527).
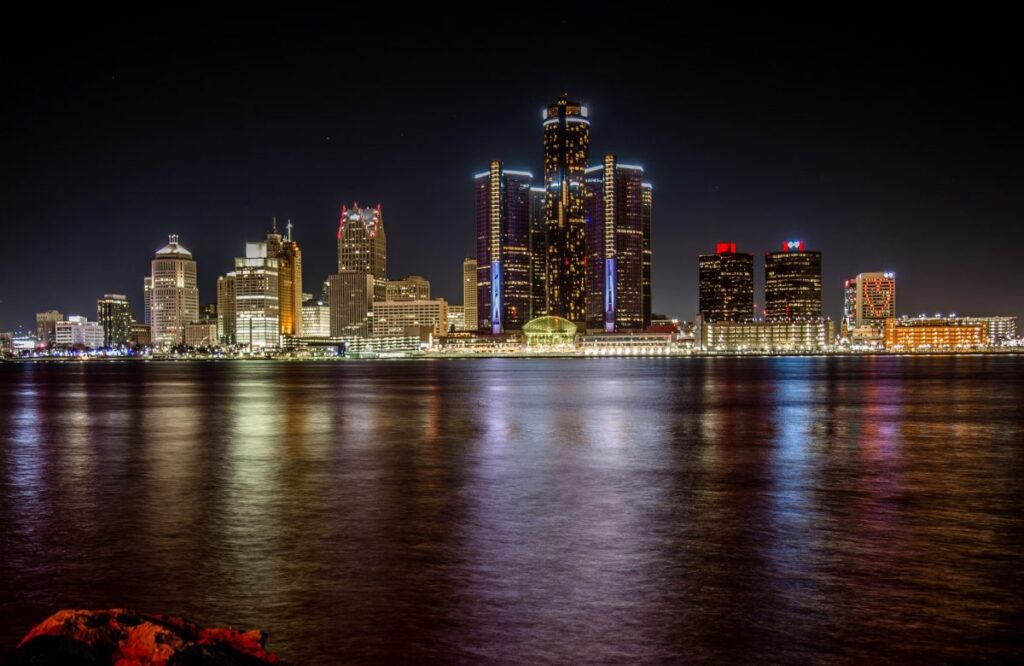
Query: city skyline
(867,186)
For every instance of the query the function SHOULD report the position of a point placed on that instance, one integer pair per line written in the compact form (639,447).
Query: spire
(273,225)
(289,228)
(172,238)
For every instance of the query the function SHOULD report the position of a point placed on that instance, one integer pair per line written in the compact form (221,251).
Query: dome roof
(550,324)
(173,247)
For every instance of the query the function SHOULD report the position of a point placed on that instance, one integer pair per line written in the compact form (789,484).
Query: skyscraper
(289,278)
(174,296)
(792,283)
(362,245)
(648,214)
(538,254)
(615,245)
(868,300)
(351,304)
(257,305)
(566,153)
(503,248)
(469,287)
(114,314)
(409,288)
(226,309)
(726,285)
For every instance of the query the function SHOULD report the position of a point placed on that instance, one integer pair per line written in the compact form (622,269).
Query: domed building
(549,331)
(173,295)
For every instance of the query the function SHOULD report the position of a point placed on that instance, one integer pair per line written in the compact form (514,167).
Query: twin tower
(578,248)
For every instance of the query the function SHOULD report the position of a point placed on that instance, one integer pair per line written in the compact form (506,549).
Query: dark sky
(886,141)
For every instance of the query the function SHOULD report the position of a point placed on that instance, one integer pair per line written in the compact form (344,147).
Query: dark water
(587,511)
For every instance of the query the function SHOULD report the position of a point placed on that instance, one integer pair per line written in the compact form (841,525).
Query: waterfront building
(46,326)
(174,295)
(409,288)
(550,332)
(934,334)
(201,334)
(613,206)
(647,192)
(456,318)
(998,330)
(792,283)
(502,248)
(351,303)
(362,245)
(257,305)
(726,285)
(140,336)
(226,309)
(316,319)
(469,287)
(798,335)
(78,332)
(114,314)
(289,278)
(868,301)
(538,253)
(397,317)
(627,344)
(566,157)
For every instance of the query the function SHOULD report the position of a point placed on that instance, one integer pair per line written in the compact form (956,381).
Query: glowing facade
(647,212)
(257,304)
(792,283)
(503,248)
(114,313)
(351,303)
(868,301)
(363,246)
(726,282)
(289,278)
(538,253)
(469,288)
(173,296)
(566,154)
(934,334)
(614,205)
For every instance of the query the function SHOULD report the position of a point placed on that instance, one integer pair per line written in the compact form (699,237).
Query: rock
(122,637)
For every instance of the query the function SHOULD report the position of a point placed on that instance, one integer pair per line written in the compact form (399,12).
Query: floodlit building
(289,278)
(362,245)
(174,295)
(316,319)
(78,332)
(257,293)
(614,205)
(792,283)
(114,314)
(396,317)
(726,283)
(550,332)
(804,335)
(934,334)
(868,301)
(351,303)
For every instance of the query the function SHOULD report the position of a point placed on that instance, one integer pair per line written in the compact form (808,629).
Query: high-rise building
(456,318)
(792,283)
(78,332)
(316,319)
(351,303)
(147,299)
(409,288)
(397,317)
(726,285)
(174,296)
(934,334)
(114,314)
(226,309)
(503,248)
(648,214)
(538,253)
(615,246)
(469,287)
(868,301)
(289,278)
(46,326)
(257,305)
(566,154)
(362,245)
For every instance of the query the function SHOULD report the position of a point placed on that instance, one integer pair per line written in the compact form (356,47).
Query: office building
(208,313)
(934,334)
(503,248)
(174,295)
(469,287)
(114,314)
(226,309)
(647,192)
(726,282)
(78,332)
(538,253)
(613,205)
(409,288)
(804,335)
(399,317)
(362,245)
(46,326)
(201,334)
(147,299)
(316,319)
(566,157)
(257,304)
(140,336)
(351,303)
(868,301)
(792,283)
(456,318)
(289,278)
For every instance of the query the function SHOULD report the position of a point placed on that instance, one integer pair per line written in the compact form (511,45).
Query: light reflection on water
(528,510)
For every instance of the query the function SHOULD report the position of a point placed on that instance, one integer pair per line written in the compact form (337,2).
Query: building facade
(456,318)
(114,314)
(201,334)
(566,157)
(226,309)
(257,294)
(289,278)
(316,319)
(613,206)
(46,326)
(869,300)
(397,317)
(351,303)
(792,283)
(538,253)
(934,334)
(409,288)
(806,335)
(647,191)
(78,332)
(469,287)
(362,245)
(726,284)
(174,294)
(503,248)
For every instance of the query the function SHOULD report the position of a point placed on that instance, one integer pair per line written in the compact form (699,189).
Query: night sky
(887,142)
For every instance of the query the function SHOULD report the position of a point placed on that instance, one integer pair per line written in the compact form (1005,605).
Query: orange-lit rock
(122,637)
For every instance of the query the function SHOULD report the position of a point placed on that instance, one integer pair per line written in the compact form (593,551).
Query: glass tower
(792,283)
(726,285)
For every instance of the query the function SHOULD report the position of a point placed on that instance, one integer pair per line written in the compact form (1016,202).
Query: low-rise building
(808,335)
(396,317)
(78,332)
(935,334)
(201,334)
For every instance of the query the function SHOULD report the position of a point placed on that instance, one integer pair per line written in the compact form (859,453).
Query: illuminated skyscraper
(469,287)
(114,314)
(289,278)
(727,285)
(257,305)
(351,304)
(648,214)
(362,245)
(226,309)
(174,296)
(503,248)
(566,153)
(615,244)
(538,254)
(792,283)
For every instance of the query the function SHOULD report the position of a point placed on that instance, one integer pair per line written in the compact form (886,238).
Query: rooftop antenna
(289,228)
(273,225)
(173,238)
